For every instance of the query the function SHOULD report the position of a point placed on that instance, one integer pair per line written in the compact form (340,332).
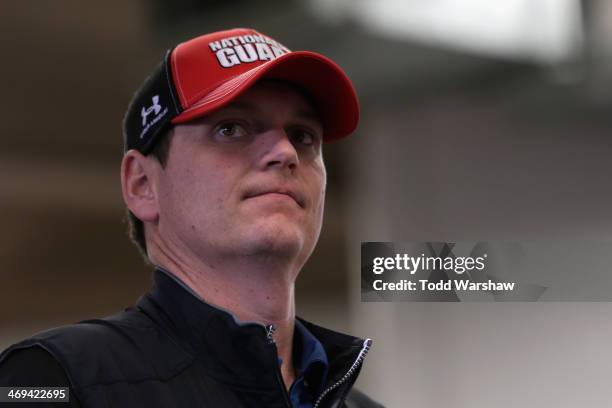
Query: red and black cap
(207,72)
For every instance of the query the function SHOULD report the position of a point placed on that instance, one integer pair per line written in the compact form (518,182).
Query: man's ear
(137,185)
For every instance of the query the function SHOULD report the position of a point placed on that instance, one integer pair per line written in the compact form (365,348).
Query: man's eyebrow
(307,114)
(310,115)
(241,105)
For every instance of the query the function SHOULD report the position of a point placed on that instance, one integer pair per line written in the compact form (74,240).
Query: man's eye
(303,137)
(231,130)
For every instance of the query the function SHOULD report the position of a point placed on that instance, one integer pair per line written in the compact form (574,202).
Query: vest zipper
(270,329)
(358,361)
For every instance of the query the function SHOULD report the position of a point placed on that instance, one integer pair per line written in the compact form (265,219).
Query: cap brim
(330,88)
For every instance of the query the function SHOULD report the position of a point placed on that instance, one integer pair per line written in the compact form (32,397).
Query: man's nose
(278,151)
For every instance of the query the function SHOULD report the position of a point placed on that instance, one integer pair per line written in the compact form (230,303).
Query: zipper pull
(270,329)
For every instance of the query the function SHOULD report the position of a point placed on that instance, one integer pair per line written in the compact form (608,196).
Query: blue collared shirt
(310,362)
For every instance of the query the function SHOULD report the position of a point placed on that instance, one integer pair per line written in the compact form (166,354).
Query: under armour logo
(156,108)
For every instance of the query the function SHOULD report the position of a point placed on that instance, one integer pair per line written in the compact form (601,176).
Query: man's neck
(251,291)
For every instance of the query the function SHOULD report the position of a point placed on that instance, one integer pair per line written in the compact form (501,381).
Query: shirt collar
(309,357)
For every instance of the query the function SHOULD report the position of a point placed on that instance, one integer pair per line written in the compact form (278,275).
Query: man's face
(247,179)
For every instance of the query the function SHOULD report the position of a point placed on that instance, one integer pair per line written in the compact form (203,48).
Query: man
(224,179)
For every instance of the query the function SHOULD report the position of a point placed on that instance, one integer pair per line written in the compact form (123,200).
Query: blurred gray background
(481,121)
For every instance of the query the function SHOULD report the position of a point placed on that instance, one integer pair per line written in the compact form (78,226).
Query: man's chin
(280,238)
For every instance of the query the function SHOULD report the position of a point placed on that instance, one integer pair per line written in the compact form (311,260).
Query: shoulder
(31,366)
(107,350)
(88,339)
(357,399)
(34,367)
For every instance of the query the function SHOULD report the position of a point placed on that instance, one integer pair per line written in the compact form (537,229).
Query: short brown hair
(135,227)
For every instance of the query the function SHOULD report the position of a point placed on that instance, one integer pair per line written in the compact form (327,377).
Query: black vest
(174,350)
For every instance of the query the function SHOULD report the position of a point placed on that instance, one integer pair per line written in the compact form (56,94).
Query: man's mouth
(299,200)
